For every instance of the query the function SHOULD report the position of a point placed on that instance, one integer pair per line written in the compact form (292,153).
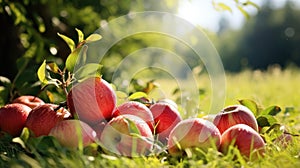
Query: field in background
(271,87)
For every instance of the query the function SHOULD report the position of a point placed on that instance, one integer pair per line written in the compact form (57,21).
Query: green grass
(273,87)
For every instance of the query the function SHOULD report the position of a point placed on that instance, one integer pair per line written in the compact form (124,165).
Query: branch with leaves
(69,74)
(220,6)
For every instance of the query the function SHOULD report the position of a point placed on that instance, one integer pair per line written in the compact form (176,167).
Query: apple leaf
(69,41)
(18,140)
(43,143)
(80,35)
(252,4)
(25,135)
(5,85)
(42,73)
(251,105)
(88,70)
(133,129)
(82,56)
(274,128)
(243,11)
(53,67)
(5,81)
(93,37)
(44,76)
(137,95)
(289,110)
(272,110)
(72,59)
(4,93)
(221,7)
(266,120)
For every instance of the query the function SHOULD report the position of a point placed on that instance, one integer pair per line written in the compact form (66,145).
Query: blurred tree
(29,32)
(30,27)
(29,35)
(269,38)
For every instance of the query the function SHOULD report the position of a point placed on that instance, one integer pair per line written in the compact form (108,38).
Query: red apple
(245,138)
(93,100)
(193,133)
(13,118)
(166,117)
(169,101)
(30,101)
(119,136)
(235,114)
(137,109)
(43,118)
(70,133)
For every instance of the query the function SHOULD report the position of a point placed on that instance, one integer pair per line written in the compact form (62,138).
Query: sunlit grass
(272,87)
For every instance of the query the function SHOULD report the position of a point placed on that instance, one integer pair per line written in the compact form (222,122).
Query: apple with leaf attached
(86,92)
(127,135)
(137,109)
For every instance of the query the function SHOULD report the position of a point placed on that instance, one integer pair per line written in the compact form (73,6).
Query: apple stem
(285,132)
(61,104)
(65,82)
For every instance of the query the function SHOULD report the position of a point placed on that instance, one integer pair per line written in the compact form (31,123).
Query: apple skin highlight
(235,114)
(117,136)
(92,100)
(193,133)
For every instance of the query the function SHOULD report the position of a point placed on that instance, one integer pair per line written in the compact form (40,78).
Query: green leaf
(222,7)
(250,104)
(266,120)
(25,135)
(46,142)
(4,95)
(18,140)
(44,76)
(80,35)
(53,67)
(42,73)
(243,11)
(289,110)
(137,95)
(133,129)
(272,110)
(68,40)
(72,59)
(82,55)
(93,37)
(88,70)
(274,128)
(252,4)
(4,81)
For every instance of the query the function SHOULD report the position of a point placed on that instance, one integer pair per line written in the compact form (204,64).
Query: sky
(202,13)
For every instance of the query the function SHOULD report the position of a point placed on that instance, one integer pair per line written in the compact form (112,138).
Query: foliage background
(29,36)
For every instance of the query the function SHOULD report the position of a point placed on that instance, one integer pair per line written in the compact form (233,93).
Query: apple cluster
(132,128)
